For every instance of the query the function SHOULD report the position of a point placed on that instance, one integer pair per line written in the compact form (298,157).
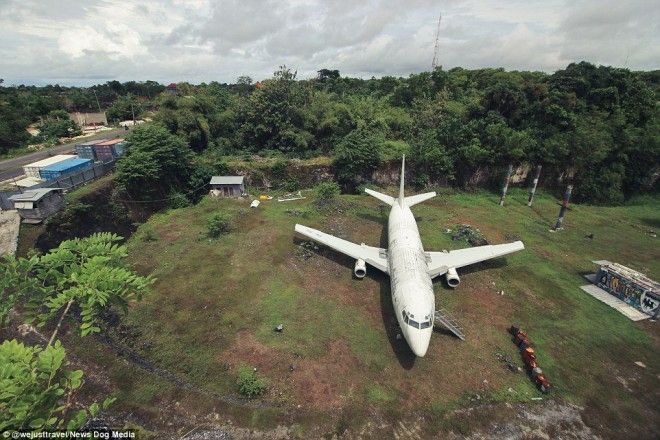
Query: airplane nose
(419,343)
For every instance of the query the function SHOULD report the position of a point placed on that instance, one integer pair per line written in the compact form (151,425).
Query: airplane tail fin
(402,197)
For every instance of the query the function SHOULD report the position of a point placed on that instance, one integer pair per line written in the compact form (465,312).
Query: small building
(228,186)
(95,119)
(33,169)
(36,205)
(172,89)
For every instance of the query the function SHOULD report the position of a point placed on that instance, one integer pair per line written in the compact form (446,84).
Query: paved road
(11,168)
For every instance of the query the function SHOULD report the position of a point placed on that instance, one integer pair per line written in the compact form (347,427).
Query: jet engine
(452,277)
(360,268)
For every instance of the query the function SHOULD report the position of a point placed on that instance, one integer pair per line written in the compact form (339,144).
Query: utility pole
(535,182)
(434,64)
(97,101)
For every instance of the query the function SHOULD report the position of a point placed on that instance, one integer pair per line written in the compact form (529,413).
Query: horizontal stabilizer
(382,197)
(419,198)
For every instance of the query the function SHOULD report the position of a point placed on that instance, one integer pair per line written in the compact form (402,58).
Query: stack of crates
(63,168)
(119,148)
(32,169)
(86,149)
(106,150)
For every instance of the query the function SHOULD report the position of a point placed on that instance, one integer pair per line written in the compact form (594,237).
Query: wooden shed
(36,205)
(228,186)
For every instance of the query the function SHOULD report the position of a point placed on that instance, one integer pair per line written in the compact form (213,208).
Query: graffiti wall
(627,290)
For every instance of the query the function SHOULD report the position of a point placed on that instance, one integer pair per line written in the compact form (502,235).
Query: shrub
(179,200)
(218,224)
(148,233)
(249,383)
(326,191)
(291,185)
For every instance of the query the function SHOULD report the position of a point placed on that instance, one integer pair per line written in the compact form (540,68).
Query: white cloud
(71,41)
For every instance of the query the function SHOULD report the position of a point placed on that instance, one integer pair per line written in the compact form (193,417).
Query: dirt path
(10,223)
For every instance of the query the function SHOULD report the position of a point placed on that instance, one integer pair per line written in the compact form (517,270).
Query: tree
(357,155)
(15,282)
(57,125)
(124,108)
(327,74)
(156,163)
(85,274)
(37,391)
(273,117)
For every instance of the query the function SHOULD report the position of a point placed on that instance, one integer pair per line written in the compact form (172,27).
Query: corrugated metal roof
(227,180)
(64,165)
(31,195)
(28,182)
(50,160)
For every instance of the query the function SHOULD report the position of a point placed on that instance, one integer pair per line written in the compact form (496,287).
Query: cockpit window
(407,318)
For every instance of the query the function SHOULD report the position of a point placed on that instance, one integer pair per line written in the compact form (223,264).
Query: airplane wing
(373,256)
(440,262)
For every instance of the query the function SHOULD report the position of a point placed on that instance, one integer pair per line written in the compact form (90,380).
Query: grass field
(338,361)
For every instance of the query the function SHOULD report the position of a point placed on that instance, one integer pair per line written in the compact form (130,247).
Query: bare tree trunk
(59,323)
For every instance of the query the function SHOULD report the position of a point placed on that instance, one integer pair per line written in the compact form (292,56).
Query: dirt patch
(309,383)
(547,420)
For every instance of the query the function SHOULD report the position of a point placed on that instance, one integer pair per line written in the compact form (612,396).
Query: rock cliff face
(305,174)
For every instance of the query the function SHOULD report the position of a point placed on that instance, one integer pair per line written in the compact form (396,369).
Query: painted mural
(630,292)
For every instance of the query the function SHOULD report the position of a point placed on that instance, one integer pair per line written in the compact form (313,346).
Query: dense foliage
(595,125)
(37,390)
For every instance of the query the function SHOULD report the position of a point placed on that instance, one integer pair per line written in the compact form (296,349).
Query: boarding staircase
(442,318)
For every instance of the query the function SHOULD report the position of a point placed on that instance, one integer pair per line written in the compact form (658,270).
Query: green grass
(79,193)
(216,302)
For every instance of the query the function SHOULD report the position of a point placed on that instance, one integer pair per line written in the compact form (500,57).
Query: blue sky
(86,42)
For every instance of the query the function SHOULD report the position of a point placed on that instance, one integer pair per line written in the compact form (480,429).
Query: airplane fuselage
(412,288)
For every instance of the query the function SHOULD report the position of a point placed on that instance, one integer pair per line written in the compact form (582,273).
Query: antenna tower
(434,64)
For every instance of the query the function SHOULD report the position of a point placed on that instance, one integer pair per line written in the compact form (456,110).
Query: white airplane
(410,268)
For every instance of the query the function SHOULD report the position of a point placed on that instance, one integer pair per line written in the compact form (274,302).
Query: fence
(68,182)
